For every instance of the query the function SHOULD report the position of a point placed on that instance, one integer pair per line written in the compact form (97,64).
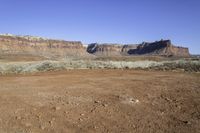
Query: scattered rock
(132,100)
(186,122)
(129,100)
(42,127)
(18,117)
(51,122)
(38,116)
(56,108)
(96,101)
(105,105)
(66,112)
(80,119)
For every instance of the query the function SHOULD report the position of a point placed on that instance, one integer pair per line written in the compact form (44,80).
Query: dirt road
(100,101)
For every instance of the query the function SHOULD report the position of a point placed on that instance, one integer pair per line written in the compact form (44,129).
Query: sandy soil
(100,101)
(19,57)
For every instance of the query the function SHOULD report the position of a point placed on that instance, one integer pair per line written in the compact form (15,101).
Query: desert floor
(100,101)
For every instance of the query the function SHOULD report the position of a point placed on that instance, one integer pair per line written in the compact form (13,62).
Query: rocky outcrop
(127,48)
(104,49)
(162,48)
(11,44)
(50,48)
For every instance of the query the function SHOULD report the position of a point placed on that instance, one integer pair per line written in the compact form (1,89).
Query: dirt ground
(100,101)
(19,57)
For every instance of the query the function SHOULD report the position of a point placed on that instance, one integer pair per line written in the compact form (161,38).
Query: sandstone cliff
(10,44)
(162,48)
(104,49)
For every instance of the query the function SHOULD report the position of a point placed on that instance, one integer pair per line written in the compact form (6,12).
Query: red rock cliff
(161,48)
(41,46)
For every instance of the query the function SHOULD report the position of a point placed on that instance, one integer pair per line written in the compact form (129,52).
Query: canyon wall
(161,48)
(10,44)
(104,49)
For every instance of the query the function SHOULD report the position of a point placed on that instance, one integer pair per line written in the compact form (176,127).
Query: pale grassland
(49,65)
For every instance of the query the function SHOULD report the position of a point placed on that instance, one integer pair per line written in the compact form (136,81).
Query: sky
(105,21)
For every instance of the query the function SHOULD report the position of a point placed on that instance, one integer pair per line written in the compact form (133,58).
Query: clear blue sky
(117,21)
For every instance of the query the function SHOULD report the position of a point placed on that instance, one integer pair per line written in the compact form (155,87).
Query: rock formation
(10,44)
(104,49)
(161,48)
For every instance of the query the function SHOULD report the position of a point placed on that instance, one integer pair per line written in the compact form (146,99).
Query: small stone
(136,101)
(162,113)
(38,117)
(56,108)
(133,100)
(80,119)
(50,122)
(42,127)
(65,112)
(187,122)
(82,114)
(18,118)
(95,127)
(105,105)
(96,101)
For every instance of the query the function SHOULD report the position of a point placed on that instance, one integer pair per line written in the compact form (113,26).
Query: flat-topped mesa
(41,46)
(11,44)
(105,49)
(161,48)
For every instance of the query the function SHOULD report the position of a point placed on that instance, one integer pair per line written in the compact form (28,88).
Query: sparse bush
(48,65)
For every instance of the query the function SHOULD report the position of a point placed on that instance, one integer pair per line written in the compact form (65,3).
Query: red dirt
(100,101)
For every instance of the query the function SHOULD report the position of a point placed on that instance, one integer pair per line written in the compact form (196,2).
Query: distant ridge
(161,48)
(51,48)
(35,45)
